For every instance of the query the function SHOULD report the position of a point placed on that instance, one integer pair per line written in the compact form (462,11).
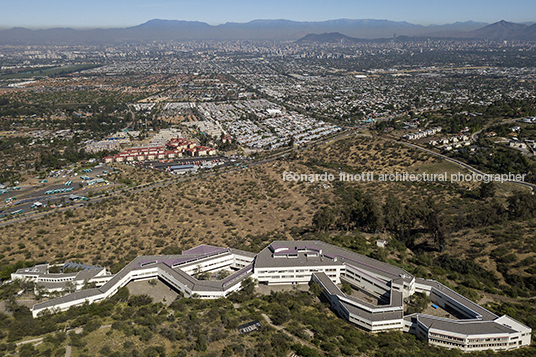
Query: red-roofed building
(180,144)
(189,152)
(205,150)
(176,148)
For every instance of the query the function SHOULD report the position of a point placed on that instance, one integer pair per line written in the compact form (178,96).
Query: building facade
(472,327)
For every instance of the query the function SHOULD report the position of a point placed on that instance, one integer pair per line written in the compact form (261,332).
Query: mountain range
(162,30)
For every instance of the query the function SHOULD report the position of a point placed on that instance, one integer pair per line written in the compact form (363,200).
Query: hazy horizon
(228,22)
(121,13)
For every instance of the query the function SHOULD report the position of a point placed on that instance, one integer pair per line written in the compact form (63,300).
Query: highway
(231,169)
(30,194)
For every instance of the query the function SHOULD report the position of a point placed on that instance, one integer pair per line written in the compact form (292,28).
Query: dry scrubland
(248,208)
(239,209)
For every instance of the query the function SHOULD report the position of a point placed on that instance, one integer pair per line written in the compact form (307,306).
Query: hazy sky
(120,13)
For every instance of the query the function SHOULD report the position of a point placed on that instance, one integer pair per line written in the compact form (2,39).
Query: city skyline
(122,13)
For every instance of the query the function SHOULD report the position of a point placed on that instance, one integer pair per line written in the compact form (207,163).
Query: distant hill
(528,34)
(163,30)
(332,37)
(293,30)
(501,30)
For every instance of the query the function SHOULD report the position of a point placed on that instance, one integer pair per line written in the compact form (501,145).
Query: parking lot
(56,192)
(207,162)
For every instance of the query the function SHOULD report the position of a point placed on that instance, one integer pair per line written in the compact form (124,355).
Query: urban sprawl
(73,115)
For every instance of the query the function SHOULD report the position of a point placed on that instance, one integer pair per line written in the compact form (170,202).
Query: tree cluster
(358,210)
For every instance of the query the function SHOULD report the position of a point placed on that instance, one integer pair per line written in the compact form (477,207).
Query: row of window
(360,321)
(295,270)
(389,324)
(483,345)
(334,276)
(295,256)
(56,280)
(197,258)
(490,339)
(144,273)
(373,284)
(205,266)
(283,276)
(353,276)
(447,337)
(433,340)
(348,271)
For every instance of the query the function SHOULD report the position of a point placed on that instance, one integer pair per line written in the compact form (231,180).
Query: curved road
(270,158)
(463,164)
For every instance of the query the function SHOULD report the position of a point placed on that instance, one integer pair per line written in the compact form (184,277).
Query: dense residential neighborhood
(221,198)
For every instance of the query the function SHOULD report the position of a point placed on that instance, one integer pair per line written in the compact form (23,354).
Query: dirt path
(38,340)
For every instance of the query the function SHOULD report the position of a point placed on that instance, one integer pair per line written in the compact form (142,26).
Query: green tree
(487,189)
(434,224)
(346,288)
(393,212)
(521,205)
(367,215)
(315,289)
(323,219)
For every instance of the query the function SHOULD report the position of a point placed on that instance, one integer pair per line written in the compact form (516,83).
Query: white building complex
(380,306)
(86,275)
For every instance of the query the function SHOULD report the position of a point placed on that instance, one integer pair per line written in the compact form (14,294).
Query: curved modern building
(378,305)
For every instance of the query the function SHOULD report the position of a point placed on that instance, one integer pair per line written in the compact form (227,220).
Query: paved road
(34,215)
(270,158)
(170,181)
(476,134)
(27,197)
(462,164)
